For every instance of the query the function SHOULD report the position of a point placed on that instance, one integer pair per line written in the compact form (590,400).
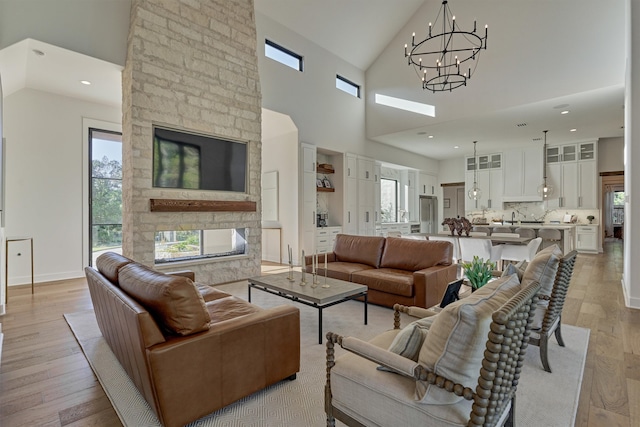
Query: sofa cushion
(543,268)
(341,270)
(455,345)
(229,308)
(209,293)
(109,263)
(359,249)
(414,255)
(173,301)
(388,280)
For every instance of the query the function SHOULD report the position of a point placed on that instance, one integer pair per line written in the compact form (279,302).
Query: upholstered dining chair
(482,248)
(501,229)
(548,318)
(526,252)
(370,385)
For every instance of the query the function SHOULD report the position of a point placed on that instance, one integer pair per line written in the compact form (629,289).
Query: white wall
(325,116)
(280,153)
(610,154)
(44,181)
(95,28)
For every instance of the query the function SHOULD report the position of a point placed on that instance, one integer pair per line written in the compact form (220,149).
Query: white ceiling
(541,54)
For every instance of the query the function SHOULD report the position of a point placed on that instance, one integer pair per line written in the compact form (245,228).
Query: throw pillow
(173,301)
(455,345)
(543,268)
(409,340)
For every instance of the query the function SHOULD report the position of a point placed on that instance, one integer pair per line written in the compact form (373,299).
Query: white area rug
(543,399)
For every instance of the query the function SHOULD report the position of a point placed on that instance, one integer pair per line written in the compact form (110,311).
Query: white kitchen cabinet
(427,185)
(376,188)
(412,196)
(587,238)
(564,179)
(588,180)
(572,170)
(350,220)
(366,197)
(326,238)
(523,173)
(490,181)
(307,215)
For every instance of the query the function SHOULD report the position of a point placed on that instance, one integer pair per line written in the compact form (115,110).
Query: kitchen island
(567,243)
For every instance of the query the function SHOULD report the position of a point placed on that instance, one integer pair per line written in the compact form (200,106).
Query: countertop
(536,226)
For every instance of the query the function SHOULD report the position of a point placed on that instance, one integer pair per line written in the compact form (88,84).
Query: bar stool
(482,229)
(549,236)
(526,232)
(501,229)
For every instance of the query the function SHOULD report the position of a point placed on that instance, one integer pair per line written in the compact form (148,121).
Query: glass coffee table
(312,295)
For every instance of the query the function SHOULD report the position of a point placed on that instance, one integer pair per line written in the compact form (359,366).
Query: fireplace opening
(188,245)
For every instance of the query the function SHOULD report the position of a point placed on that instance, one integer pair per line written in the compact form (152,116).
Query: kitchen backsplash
(533,211)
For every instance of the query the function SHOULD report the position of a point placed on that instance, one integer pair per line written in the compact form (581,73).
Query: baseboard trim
(40,278)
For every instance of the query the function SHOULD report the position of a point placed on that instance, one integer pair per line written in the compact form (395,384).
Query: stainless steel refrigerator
(428,214)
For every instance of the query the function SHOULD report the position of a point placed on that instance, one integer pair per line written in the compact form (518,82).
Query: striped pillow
(409,340)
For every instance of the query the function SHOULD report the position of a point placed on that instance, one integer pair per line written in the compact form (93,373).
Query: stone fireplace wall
(191,65)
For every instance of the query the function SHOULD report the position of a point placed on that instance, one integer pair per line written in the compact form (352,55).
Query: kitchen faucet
(513,217)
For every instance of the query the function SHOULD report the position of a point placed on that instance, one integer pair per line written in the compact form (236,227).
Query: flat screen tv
(199,162)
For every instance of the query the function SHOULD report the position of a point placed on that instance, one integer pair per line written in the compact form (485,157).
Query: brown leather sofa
(396,270)
(189,349)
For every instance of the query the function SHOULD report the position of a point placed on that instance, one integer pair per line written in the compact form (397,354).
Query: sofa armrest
(231,360)
(183,273)
(430,284)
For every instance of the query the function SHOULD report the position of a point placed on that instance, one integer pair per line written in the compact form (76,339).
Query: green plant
(591,218)
(478,271)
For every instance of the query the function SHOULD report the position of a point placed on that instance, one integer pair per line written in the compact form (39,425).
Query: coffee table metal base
(318,306)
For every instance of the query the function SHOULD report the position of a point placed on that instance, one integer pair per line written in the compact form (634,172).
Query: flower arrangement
(478,271)
(591,218)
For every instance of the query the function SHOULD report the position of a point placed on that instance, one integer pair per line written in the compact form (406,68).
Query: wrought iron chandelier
(474,192)
(545,189)
(440,58)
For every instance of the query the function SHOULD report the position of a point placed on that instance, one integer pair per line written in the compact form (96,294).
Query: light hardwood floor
(46,381)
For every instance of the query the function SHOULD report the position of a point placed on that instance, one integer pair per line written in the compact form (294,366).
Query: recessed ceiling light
(456,146)
(430,136)
(85,82)
(572,130)
(564,112)
(38,52)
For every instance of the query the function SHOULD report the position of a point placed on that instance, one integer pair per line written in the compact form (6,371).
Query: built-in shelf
(325,189)
(180,205)
(324,168)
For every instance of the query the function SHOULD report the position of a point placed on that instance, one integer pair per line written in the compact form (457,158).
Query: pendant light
(545,189)
(475,193)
